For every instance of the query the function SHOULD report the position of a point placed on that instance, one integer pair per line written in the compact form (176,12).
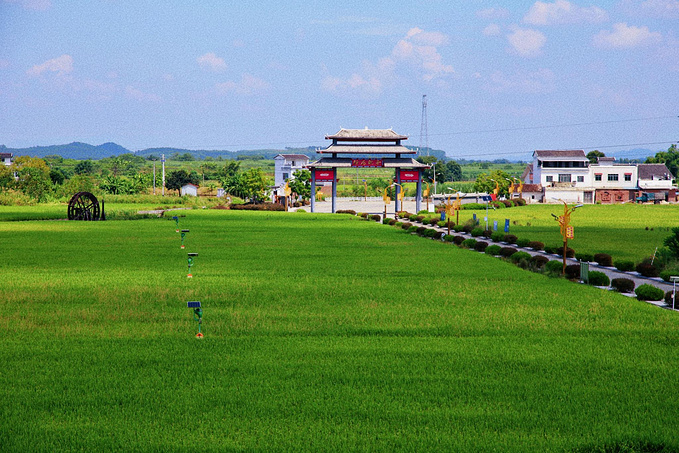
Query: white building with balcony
(285,165)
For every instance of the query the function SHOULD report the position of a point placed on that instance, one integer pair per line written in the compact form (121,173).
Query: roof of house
(532,188)
(366,135)
(293,156)
(189,184)
(6,155)
(605,159)
(570,154)
(649,171)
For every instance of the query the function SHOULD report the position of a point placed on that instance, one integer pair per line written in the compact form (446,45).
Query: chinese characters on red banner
(367,163)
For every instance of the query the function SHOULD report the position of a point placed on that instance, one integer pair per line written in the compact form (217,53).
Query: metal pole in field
(154,177)
(674,279)
(162,160)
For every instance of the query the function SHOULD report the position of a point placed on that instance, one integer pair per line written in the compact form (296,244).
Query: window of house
(286,176)
(597,176)
(581,179)
(564,177)
(293,163)
(628,176)
(612,176)
(549,178)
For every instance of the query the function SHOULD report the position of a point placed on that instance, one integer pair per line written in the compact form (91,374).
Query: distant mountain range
(84,151)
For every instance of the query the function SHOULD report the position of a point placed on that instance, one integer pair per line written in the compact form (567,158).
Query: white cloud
(527,42)
(563,12)
(211,62)
(61,65)
(665,9)
(540,81)
(493,13)
(492,30)
(34,5)
(624,35)
(248,85)
(139,95)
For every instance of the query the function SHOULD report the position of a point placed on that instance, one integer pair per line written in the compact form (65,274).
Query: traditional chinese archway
(371,148)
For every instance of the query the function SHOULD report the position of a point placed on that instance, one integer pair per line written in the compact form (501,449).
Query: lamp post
(426,194)
(365,186)
(566,229)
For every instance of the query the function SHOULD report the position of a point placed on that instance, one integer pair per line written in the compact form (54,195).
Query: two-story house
(6,158)
(287,164)
(563,174)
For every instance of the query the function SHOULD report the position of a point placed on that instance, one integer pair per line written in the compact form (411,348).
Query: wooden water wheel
(83,206)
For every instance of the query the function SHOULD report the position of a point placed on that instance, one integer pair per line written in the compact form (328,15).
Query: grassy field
(630,231)
(322,333)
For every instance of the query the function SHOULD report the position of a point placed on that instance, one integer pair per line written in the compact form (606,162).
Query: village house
(568,175)
(6,158)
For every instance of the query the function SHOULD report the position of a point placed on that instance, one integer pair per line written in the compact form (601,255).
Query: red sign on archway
(409,175)
(324,175)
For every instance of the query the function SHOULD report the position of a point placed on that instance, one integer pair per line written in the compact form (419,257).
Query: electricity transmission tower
(424,134)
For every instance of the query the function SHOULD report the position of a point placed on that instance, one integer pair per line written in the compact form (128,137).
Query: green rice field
(322,333)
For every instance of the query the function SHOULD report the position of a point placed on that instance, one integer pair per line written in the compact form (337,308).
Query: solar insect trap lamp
(176,221)
(184,235)
(197,315)
(191,257)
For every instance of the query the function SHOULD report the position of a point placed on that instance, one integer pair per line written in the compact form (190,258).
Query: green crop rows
(322,333)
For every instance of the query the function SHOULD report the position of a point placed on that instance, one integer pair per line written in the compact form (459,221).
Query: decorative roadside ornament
(288,192)
(567,231)
(191,257)
(425,194)
(387,201)
(197,315)
(184,235)
(176,221)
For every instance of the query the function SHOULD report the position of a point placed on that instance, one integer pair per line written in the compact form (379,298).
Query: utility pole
(162,159)
(424,134)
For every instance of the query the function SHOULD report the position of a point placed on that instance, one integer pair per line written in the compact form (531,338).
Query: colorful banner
(410,175)
(363,163)
(324,175)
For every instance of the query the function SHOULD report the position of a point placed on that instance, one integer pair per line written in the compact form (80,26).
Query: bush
(376,217)
(397,224)
(647,270)
(438,234)
(507,203)
(258,207)
(473,206)
(457,228)
(497,236)
(622,285)
(412,218)
(429,233)
(469,243)
(539,261)
(624,265)
(469,226)
(419,218)
(536,245)
(522,242)
(346,211)
(604,259)
(458,240)
(570,253)
(649,292)
(434,221)
(597,278)
(518,256)
(487,233)
(667,273)
(510,238)
(391,222)
(412,228)
(668,299)
(420,230)
(493,250)
(507,251)
(572,271)
(584,257)
(476,232)
(449,238)
(406,225)
(554,267)
(551,249)
(480,246)
(519,201)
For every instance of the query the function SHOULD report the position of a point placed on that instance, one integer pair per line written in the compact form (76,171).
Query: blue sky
(501,78)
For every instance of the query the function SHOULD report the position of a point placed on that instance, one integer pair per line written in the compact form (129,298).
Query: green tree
(255,184)
(437,167)
(57,176)
(672,242)
(178,178)
(33,177)
(6,177)
(594,155)
(454,171)
(228,170)
(300,183)
(670,158)
(84,167)
(483,182)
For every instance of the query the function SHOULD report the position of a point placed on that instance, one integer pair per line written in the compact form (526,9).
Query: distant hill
(75,150)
